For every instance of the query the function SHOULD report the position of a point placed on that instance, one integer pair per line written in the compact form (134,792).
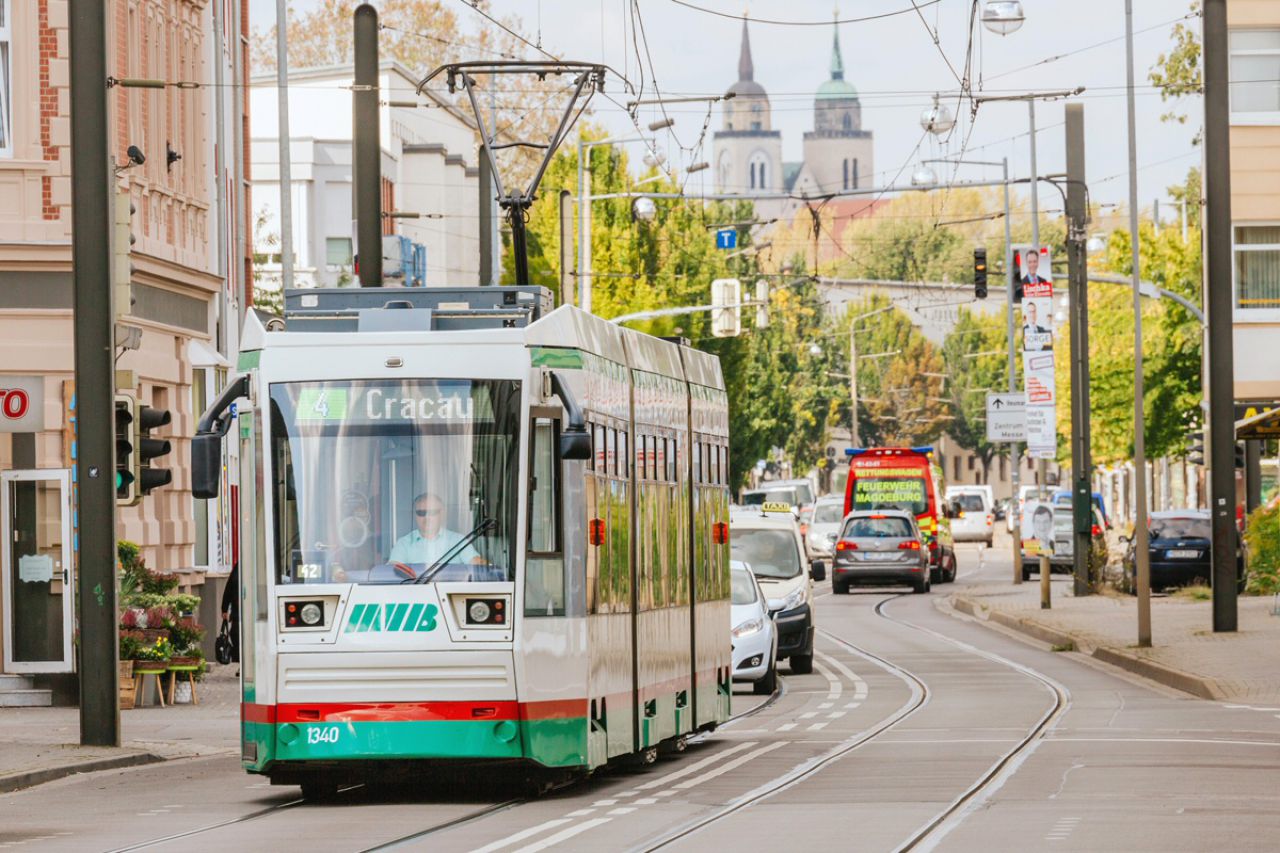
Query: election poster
(1037,528)
(1035,277)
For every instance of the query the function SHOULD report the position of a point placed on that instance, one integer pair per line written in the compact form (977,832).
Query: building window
(337,252)
(1257,267)
(855,173)
(955,463)
(1255,68)
(845,165)
(846,122)
(6,134)
(759,171)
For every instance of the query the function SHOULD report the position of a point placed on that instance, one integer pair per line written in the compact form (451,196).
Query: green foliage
(1177,73)
(161,651)
(186,635)
(1262,541)
(178,602)
(131,642)
(972,375)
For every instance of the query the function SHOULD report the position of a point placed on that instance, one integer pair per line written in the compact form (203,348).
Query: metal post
(1252,475)
(566,247)
(1218,305)
(94,326)
(286,177)
(1042,467)
(584,219)
(367,162)
(1015,458)
(854,439)
(1155,215)
(488,222)
(1077,259)
(1141,547)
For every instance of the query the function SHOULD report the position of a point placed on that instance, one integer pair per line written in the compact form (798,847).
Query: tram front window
(385,482)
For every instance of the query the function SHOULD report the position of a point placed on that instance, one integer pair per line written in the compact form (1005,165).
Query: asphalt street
(918,729)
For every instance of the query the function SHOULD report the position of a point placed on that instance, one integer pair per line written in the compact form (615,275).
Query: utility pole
(488,221)
(1077,278)
(285,156)
(366,172)
(91,262)
(1015,458)
(566,247)
(1042,467)
(854,439)
(1141,545)
(584,225)
(1218,308)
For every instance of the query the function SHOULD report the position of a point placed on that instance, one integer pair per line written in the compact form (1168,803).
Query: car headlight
(796,597)
(751,626)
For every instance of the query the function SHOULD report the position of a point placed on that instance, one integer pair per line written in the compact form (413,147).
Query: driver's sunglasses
(424,513)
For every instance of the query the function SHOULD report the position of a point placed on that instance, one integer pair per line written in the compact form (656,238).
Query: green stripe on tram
(556,357)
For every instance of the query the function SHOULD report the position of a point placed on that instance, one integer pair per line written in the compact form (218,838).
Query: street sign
(727,238)
(1006,417)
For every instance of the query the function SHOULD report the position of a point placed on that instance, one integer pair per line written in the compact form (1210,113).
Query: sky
(895,64)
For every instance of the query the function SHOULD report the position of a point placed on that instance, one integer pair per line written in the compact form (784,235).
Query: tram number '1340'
(323,734)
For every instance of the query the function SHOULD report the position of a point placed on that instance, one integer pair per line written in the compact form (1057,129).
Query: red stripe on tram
(392,712)
(554,709)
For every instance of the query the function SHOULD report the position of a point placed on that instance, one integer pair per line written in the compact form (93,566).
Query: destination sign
(398,402)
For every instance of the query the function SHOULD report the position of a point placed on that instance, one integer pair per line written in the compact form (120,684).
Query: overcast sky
(893,62)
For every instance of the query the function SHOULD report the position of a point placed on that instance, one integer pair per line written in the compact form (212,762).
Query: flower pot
(150,665)
(179,660)
(182,693)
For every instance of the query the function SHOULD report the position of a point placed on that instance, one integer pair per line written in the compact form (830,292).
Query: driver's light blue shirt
(413,547)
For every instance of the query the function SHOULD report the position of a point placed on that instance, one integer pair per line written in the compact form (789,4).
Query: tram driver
(430,539)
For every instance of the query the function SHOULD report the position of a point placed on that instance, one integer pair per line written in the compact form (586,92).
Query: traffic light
(980,273)
(726,314)
(762,304)
(122,245)
(149,448)
(126,426)
(1196,451)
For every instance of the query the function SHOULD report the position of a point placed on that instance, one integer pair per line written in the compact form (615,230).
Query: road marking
(605,803)
(645,801)
(563,835)
(731,765)
(817,726)
(808,715)
(834,687)
(521,835)
(581,813)
(695,767)
(1161,740)
(853,704)
(786,727)
(622,810)
(666,793)
(824,705)
(835,715)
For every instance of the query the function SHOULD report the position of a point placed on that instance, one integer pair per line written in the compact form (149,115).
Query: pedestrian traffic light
(762,304)
(149,448)
(126,436)
(1196,451)
(980,273)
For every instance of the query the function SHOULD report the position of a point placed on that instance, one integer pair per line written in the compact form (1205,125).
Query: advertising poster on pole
(1035,277)
(1037,528)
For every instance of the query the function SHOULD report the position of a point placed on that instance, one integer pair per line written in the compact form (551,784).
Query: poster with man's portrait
(1036,280)
(1037,528)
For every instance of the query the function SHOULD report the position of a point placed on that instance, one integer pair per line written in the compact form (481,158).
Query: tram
(474,530)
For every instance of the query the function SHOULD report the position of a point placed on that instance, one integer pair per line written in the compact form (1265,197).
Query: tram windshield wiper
(447,557)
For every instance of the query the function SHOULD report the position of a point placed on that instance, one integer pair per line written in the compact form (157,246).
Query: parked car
(880,548)
(1178,543)
(822,527)
(770,543)
(755,639)
(1062,497)
(1063,558)
(798,493)
(975,519)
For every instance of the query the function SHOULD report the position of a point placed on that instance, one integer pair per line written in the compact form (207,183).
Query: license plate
(880,557)
(1182,555)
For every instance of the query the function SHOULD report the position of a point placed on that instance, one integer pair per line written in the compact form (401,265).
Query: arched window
(847,122)
(845,165)
(759,171)
(722,170)
(753,176)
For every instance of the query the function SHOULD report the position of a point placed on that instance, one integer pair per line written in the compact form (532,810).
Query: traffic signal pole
(94,328)
(1218,305)
(367,160)
(1015,458)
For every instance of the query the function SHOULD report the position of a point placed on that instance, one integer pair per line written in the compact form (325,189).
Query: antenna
(589,78)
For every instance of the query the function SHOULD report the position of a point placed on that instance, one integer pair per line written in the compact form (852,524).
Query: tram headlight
(486,611)
(478,611)
(312,613)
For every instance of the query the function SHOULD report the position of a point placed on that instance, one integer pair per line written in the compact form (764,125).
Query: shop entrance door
(36,558)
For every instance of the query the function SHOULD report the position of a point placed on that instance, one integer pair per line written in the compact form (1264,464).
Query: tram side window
(697,462)
(544,573)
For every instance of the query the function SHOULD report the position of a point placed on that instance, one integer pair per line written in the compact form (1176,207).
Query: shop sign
(21,403)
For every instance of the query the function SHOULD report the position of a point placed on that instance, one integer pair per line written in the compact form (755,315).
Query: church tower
(748,152)
(837,152)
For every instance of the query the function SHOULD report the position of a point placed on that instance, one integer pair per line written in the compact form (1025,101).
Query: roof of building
(746,84)
(837,87)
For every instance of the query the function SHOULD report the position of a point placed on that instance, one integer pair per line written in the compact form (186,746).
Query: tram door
(36,563)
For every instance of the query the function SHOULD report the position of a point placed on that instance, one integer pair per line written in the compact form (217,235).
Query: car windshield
(771,553)
(385,481)
(828,513)
(1181,528)
(744,586)
(904,491)
(868,527)
(760,496)
(969,502)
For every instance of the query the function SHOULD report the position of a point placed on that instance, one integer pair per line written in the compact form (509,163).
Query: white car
(768,540)
(755,640)
(975,522)
(822,527)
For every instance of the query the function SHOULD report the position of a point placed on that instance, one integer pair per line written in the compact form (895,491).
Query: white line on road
(732,765)
(563,835)
(835,715)
(695,767)
(786,727)
(817,726)
(808,715)
(521,835)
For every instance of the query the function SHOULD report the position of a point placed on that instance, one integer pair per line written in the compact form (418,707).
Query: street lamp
(937,119)
(924,178)
(643,209)
(1003,17)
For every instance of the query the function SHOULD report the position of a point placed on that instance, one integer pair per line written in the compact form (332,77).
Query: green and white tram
(473,529)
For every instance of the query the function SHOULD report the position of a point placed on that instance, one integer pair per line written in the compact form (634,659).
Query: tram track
(931,832)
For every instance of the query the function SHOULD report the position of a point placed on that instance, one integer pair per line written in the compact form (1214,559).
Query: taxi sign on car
(775,506)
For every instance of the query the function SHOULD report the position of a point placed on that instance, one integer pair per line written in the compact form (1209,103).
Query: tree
(1178,73)
(975,354)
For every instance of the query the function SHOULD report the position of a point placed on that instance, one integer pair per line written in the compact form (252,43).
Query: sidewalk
(1185,654)
(39,745)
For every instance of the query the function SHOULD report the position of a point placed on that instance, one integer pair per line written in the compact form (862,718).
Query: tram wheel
(319,790)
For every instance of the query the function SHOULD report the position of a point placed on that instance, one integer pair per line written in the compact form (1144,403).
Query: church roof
(837,87)
(746,84)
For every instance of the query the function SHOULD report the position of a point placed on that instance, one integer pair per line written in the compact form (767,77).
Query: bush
(186,635)
(157,583)
(1262,540)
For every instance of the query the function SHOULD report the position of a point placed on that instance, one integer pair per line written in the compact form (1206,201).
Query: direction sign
(1006,417)
(727,238)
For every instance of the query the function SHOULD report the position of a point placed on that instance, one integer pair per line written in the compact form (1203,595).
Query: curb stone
(18,781)
(1202,688)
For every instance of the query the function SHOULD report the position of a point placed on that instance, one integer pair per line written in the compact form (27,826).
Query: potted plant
(153,656)
(186,635)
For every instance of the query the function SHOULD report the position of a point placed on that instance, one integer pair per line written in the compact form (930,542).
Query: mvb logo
(392,617)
